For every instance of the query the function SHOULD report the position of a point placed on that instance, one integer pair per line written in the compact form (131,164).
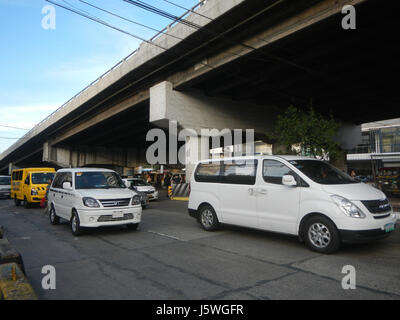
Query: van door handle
(263,191)
(251,191)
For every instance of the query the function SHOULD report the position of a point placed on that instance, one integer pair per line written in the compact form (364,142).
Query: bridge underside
(347,73)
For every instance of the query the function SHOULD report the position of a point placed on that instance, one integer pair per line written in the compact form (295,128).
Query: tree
(311,130)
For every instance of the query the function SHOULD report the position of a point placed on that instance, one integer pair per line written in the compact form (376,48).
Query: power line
(9,138)
(98,20)
(162,13)
(129,20)
(7,126)
(191,10)
(150,8)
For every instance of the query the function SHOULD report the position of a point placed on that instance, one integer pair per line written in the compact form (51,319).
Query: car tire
(27,205)
(54,219)
(17,202)
(132,226)
(76,228)
(321,235)
(208,218)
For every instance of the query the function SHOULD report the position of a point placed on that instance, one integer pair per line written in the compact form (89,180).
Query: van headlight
(135,200)
(90,202)
(348,207)
(34,192)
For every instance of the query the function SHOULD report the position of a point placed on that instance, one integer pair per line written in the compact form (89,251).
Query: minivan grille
(108,218)
(115,202)
(377,206)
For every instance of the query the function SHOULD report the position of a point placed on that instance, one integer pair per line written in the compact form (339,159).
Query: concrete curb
(8,254)
(14,284)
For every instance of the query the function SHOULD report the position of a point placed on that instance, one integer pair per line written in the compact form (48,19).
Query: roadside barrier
(14,285)
(180,191)
(8,254)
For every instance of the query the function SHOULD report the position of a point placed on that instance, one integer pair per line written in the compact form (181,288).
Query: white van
(91,197)
(5,186)
(289,194)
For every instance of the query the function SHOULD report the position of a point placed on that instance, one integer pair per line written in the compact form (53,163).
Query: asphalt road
(171,257)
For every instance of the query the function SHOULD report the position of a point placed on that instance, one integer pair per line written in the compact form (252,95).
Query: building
(377,158)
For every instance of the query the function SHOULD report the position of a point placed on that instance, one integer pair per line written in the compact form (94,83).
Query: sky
(43,68)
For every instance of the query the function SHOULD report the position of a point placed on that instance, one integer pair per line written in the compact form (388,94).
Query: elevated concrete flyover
(260,56)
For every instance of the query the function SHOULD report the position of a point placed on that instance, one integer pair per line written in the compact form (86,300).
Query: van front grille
(108,218)
(115,202)
(377,206)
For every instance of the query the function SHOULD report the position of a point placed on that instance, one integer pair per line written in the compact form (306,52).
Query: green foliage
(312,131)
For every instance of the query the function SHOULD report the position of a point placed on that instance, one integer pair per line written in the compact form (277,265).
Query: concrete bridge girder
(66,156)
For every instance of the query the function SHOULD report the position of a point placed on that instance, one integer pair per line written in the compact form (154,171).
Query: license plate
(389,227)
(118,215)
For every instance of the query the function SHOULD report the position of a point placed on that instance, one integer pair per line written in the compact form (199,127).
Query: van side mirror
(289,180)
(67,186)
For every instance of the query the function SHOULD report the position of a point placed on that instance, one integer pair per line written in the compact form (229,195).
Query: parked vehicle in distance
(5,186)
(138,184)
(289,194)
(29,185)
(92,197)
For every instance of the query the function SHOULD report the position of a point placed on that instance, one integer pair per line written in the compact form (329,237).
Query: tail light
(189,189)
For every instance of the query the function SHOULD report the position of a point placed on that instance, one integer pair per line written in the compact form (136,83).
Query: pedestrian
(353,174)
(46,204)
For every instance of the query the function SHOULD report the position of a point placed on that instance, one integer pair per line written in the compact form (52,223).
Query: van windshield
(322,172)
(98,180)
(42,177)
(5,181)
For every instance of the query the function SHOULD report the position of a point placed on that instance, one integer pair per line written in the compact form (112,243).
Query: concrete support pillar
(196,148)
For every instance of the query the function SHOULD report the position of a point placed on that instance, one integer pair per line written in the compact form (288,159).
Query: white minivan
(91,197)
(289,194)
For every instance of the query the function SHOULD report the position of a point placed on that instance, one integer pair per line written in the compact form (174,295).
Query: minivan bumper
(362,236)
(103,217)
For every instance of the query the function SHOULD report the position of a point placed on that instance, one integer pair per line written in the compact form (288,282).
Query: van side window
(240,172)
(57,183)
(19,176)
(67,178)
(27,179)
(273,171)
(208,172)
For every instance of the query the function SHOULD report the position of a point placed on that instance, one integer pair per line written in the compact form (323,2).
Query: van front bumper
(5,193)
(110,217)
(362,236)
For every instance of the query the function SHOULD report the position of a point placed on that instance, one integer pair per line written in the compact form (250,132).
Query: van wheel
(76,228)
(54,219)
(17,202)
(208,218)
(321,235)
(27,205)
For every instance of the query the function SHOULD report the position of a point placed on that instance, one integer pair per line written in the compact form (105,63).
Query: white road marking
(165,235)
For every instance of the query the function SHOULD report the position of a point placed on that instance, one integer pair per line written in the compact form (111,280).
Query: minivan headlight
(348,207)
(135,200)
(90,202)
(34,192)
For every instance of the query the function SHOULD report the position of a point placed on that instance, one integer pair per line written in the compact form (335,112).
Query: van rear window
(240,172)
(208,172)
(230,172)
